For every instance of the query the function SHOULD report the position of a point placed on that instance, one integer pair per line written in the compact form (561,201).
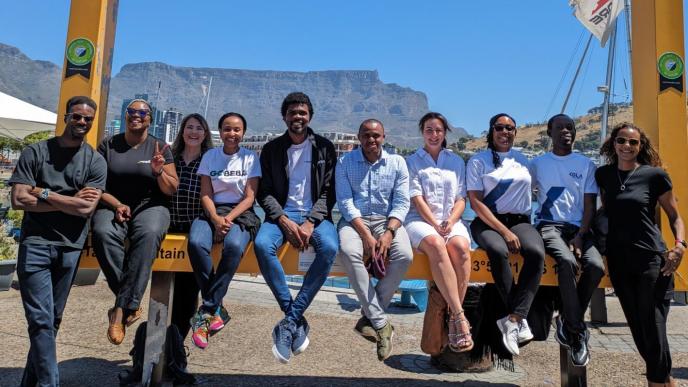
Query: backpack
(175,356)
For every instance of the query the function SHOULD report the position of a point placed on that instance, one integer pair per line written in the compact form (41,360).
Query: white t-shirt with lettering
(507,189)
(299,169)
(229,173)
(562,182)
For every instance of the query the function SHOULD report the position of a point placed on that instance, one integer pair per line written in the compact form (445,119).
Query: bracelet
(682,242)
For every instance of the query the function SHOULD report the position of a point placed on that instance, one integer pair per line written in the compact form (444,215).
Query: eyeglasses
(78,117)
(138,112)
(501,128)
(631,141)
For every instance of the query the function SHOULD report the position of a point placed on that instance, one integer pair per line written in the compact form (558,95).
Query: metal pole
(608,84)
(575,76)
(627,8)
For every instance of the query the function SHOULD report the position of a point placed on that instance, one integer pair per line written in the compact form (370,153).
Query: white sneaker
(509,331)
(524,333)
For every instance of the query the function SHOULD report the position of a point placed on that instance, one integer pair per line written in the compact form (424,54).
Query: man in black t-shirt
(57,182)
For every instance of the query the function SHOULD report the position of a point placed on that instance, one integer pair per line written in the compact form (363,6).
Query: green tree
(38,136)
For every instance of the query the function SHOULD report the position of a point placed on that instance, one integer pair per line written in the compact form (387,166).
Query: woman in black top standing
(640,266)
(192,141)
(141,179)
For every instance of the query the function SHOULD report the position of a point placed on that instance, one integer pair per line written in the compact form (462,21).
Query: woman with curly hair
(640,266)
(499,189)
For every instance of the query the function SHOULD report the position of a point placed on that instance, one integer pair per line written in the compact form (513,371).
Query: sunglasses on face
(138,112)
(78,117)
(501,128)
(631,141)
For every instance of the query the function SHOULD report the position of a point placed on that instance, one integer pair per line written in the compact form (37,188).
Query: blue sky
(472,58)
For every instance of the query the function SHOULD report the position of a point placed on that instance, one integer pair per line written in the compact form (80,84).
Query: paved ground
(240,354)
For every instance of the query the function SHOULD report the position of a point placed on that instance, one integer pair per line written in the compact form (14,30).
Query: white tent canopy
(18,119)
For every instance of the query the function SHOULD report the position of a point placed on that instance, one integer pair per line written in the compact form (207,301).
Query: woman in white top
(437,190)
(499,188)
(229,180)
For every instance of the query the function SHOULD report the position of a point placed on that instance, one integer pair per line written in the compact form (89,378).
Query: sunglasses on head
(631,141)
(501,128)
(77,117)
(138,112)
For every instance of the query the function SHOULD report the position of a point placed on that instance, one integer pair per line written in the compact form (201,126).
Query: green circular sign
(80,51)
(670,65)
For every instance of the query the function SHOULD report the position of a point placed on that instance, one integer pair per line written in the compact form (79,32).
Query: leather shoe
(133,316)
(116,330)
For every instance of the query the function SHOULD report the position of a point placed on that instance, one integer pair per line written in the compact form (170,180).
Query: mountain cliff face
(341,99)
(34,81)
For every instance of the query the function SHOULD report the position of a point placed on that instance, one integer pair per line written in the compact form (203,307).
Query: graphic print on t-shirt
(546,209)
(229,173)
(497,192)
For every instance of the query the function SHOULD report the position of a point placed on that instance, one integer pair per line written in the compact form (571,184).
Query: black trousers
(517,297)
(645,295)
(128,272)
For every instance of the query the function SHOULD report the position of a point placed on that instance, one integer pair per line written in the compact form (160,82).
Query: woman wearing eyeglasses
(640,266)
(437,187)
(141,179)
(499,190)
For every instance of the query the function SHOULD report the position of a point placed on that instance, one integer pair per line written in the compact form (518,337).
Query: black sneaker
(580,355)
(561,335)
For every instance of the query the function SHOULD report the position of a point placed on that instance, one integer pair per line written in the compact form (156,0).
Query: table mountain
(341,98)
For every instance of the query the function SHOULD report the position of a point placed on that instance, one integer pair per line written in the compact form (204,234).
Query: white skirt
(419,229)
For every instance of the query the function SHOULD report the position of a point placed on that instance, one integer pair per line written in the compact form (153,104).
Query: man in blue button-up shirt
(373,197)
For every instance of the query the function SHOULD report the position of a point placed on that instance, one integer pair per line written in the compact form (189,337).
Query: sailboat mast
(607,89)
(575,76)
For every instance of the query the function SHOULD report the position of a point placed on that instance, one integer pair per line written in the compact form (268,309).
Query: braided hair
(490,144)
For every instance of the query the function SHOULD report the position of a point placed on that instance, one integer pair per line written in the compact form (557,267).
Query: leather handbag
(435,330)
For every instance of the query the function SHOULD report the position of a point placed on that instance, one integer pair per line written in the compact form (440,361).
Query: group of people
(134,189)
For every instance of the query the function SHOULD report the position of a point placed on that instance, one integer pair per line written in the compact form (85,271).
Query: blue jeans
(45,276)
(270,238)
(214,284)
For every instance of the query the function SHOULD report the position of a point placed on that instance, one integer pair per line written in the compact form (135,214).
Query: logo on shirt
(576,175)
(226,173)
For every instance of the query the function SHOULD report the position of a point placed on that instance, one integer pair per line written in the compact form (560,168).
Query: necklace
(623,183)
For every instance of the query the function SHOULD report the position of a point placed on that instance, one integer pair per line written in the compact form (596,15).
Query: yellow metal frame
(657,28)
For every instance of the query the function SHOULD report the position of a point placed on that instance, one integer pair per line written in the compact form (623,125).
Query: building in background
(167,124)
(112,128)
(343,142)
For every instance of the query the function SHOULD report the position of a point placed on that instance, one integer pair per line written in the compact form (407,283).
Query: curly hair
(296,97)
(178,144)
(647,155)
(490,132)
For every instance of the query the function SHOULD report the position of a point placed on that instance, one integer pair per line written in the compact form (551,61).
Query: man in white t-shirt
(567,193)
(297,195)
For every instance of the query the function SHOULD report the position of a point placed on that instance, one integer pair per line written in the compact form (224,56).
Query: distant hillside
(533,137)
(342,99)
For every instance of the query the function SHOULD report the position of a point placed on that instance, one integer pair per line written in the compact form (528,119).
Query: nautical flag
(597,16)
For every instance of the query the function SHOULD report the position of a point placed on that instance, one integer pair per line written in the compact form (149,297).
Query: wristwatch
(159,173)
(44,194)
(392,230)
(682,242)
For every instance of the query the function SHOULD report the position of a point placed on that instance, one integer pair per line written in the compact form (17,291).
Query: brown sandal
(459,341)
(116,330)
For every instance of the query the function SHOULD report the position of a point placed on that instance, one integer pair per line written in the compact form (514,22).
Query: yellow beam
(173,256)
(657,29)
(88,51)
